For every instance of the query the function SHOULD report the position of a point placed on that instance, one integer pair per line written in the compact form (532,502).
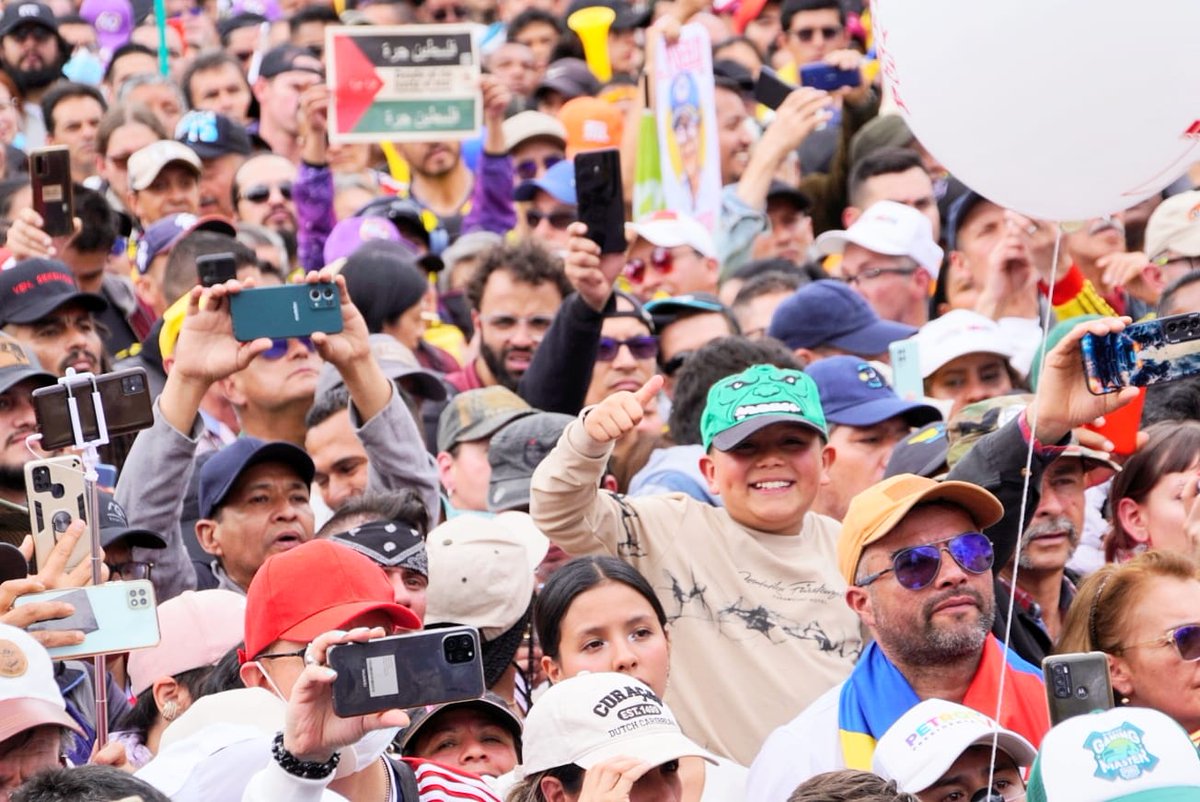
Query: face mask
(365,751)
(84,67)
(274,688)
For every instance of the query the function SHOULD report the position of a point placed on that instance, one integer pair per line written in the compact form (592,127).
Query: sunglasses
(1185,639)
(279,348)
(918,566)
(454,13)
(557,220)
(36,32)
(527,169)
(827,32)
(260,192)
(672,365)
(661,259)
(644,346)
(129,570)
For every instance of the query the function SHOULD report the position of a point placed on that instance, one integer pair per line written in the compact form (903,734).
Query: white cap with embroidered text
(890,229)
(590,718)
(957,333)
(668,229)
(1174,227)
(1127,754)
(29,696)
(923,744)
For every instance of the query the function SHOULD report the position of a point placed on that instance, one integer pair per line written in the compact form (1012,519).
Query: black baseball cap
(34,288)
(220,474)
(18,14)
(212,135)
(781,190)
(114,526)
(289,58)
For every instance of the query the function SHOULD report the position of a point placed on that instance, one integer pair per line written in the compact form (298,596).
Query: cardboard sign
(403,83)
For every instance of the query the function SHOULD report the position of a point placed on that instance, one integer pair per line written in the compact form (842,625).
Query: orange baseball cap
(591,124)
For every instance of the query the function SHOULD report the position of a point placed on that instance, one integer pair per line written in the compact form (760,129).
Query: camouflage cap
(477,414)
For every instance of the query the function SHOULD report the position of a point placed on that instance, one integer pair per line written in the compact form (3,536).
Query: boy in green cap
(752,592)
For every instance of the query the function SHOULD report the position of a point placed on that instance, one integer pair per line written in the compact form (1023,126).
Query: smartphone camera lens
(459,649)
(132,385)
(328,293)
(41,479)
(314,294)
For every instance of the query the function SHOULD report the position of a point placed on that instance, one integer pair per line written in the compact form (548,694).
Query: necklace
(387,779)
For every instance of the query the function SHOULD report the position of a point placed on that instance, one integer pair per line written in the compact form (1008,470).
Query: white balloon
(1060,109)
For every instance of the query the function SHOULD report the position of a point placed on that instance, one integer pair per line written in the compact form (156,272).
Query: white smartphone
(906,370)
(114,617)
(57,497)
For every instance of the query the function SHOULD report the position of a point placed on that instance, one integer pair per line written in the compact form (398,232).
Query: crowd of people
(787,507)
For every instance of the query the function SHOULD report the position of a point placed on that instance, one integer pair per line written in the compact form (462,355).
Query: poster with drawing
(687,125)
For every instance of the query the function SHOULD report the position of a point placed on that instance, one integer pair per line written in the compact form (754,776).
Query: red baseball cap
(317,586)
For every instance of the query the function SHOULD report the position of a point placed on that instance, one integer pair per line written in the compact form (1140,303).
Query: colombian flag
(876,694)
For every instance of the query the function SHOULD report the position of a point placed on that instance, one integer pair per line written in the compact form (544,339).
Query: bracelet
(305,769)
(1039,448)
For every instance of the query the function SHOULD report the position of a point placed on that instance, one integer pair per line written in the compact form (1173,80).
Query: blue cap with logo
(558,182)
(164,234)
(828,312)
(853,393)
(221,472)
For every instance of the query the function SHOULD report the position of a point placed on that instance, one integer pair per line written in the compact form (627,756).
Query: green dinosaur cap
(740,405)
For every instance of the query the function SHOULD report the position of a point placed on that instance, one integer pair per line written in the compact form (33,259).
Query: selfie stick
(91,459)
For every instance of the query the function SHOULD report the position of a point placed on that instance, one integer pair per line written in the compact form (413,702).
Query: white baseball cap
(668,229)
(1127,754)
(593,717)
(1175,226)
(957,333)
(891,229)
(145,164)
(29,696)
(923,744)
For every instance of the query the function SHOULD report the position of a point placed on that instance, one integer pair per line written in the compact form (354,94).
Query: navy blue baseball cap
(828,312)
(558,182)
(165,233)
(923,452)
(959,209)
(854,394)
(212,135)
(221,472)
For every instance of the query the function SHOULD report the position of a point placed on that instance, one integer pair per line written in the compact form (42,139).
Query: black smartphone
(124,396)
(215,268)
(404,671)
(1076,684)
(601,199)
(1151,352)
(771,90)
(288,310)
(53,193)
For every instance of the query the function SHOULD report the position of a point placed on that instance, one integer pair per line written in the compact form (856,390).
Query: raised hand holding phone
(590,272)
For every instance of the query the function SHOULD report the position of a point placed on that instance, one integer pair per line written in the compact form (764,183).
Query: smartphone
(770,90)
(216,268)
(288,310)
(124,396)
(906,369)
(53,193)
(827,77)
(114,617)
(601,199)
(1076,684)
(1151,352)
(413,670)
(57,498)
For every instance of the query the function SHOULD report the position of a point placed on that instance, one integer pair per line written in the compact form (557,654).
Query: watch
(306,769)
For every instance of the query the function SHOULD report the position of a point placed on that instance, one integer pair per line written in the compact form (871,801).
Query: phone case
(1076,684)
(53,192)
(601,199)
(770,90)
(906,369)
(114,617)
(57,498)
(124,395)
(828,77)
(215,268)
(290,310)
(406,671)
(1146,353)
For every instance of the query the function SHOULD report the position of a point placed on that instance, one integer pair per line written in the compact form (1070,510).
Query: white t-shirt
(806,746)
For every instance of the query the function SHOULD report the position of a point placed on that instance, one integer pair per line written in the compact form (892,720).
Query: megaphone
(591,24)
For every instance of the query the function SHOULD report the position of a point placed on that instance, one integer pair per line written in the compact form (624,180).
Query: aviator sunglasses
(916,567)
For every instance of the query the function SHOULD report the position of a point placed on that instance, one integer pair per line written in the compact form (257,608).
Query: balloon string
(1032,419)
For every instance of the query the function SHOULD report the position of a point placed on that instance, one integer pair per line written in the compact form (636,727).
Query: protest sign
(404,83)
(687,125)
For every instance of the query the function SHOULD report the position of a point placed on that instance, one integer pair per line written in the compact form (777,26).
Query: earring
(170,710)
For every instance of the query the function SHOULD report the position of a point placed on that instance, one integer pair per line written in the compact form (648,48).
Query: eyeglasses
(538,324)
(672,365)
(129,570)
(918,566)
(644,346)
(557,220)
(827,32)
(260,192)
(872,273)
(1185,639)
(527,169)
(298,653)
(279,348)
(452,13)
(661,259)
